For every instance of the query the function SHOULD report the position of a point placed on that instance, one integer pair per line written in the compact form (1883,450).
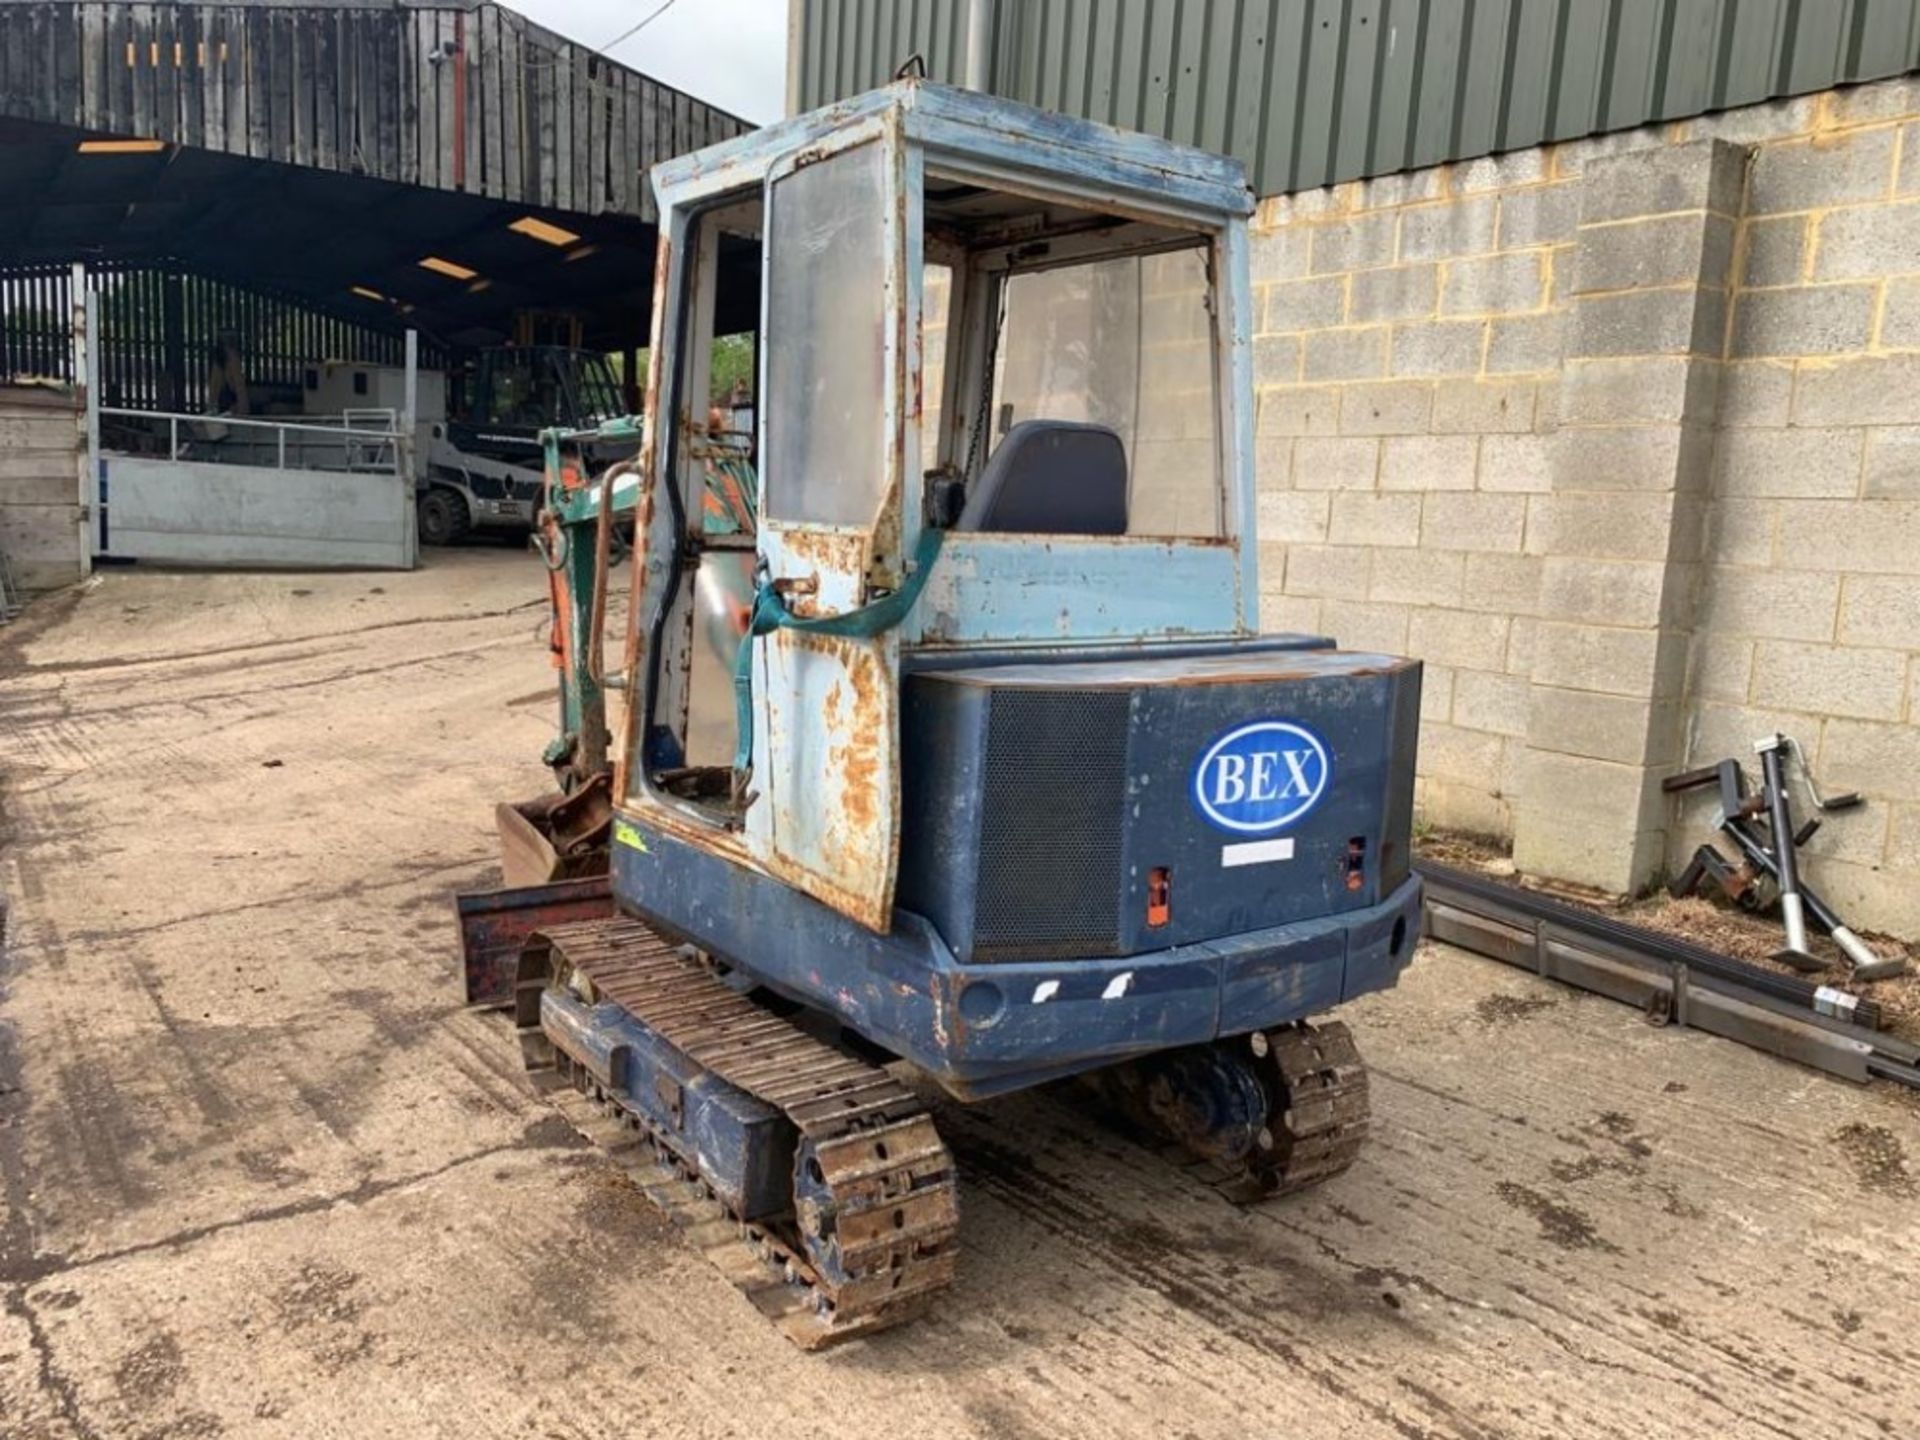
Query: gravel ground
(261,1174)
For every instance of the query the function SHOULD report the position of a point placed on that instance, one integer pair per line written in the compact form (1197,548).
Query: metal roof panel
(1311,92)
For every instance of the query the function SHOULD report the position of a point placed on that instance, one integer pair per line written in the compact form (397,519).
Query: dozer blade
(495,924)
(812,1180)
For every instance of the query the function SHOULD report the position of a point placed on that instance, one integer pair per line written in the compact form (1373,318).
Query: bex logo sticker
(1261,777)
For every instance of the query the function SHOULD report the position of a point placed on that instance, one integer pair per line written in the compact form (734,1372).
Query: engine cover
(1078,808)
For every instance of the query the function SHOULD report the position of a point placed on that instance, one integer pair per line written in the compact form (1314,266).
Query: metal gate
(316,492)
(200,490)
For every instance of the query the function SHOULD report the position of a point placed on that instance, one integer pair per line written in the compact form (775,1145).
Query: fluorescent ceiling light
(448,267)
(535,228)
(121,147)
(365,294)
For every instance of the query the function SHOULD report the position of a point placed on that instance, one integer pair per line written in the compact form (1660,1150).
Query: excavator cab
(995,772)
(1004,392)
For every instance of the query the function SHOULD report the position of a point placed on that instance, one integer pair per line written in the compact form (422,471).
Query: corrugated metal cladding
(1309,92)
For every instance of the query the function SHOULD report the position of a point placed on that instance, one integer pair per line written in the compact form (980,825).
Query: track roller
(1255,1116)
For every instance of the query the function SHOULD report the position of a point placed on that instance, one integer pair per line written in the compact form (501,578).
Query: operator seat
(1051,477)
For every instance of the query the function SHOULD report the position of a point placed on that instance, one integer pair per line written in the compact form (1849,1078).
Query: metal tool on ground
(1672,980)
(1748,883)
(1786,866)
(1737,883)
(997,778)
(1867,965)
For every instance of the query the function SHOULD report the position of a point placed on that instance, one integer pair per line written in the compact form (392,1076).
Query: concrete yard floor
(264,1176)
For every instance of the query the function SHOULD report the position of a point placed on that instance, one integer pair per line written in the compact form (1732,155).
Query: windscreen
(595,390)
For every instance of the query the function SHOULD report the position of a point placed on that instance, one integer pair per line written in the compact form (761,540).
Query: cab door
(825,755)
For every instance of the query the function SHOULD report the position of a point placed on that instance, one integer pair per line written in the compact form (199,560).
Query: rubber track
(892,1179)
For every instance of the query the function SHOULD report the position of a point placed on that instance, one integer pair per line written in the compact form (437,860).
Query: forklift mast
(559,328)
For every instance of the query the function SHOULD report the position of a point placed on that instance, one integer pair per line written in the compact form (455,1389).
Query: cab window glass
(1123,344)
(825,461)
(1071,367)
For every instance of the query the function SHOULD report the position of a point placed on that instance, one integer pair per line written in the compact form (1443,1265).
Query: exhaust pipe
(979,71)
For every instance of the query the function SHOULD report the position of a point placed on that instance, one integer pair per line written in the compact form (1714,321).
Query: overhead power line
(628,34)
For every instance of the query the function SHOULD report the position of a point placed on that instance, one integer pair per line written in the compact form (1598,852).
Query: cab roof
(984,130)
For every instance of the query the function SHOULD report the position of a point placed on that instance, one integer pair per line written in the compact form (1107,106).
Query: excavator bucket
(556,837)
(553,857)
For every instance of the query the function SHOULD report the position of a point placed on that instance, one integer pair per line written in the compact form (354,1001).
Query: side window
(824,461)
(936,304)
(716,461)
(501,395)
(597,395)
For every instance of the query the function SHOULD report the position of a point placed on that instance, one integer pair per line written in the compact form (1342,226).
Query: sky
(730,53)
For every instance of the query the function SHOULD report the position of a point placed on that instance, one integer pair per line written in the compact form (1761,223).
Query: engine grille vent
(1055,798)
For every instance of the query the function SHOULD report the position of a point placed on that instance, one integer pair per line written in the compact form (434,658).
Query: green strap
(770,613)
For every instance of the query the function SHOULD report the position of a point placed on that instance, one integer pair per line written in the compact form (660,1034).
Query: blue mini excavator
(945,733)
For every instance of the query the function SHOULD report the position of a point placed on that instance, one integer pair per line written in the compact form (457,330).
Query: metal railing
(361,442)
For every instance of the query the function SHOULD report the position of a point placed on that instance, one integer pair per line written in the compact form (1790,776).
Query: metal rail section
(1672,981)
(361,442)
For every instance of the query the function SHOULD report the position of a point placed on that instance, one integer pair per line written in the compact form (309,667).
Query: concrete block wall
(42,528)
(1808,614)
(1408,363)
(1622,532)
(1623,438)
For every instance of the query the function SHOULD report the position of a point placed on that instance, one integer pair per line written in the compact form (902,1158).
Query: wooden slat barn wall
(159,322)
(481,100)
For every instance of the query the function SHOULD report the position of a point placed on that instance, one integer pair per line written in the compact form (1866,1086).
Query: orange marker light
(1159,896)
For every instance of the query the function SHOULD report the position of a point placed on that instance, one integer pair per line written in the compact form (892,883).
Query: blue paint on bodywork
(1040,798)
(741,1146)
(990,589)
(1141,170)
(904,990)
